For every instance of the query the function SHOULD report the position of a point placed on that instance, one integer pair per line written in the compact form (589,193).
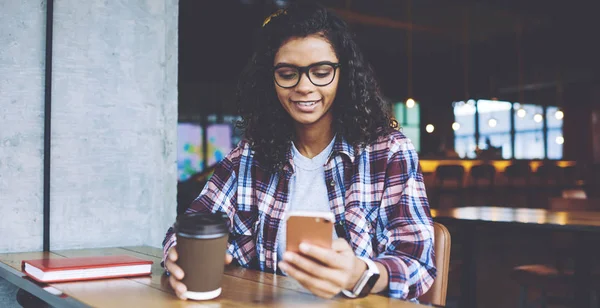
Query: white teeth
(306,103)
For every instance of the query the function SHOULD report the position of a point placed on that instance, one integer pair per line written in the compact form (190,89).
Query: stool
(518,176)
(481,188)
(449,183)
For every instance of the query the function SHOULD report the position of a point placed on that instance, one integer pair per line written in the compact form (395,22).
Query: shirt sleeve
(407,228)
(220,195)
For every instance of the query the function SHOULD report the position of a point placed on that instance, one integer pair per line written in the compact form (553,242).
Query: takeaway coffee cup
(201,245)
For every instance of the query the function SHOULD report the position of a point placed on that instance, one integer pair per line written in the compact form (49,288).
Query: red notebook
(85,268)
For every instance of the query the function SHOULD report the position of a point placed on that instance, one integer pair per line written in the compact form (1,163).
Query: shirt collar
(341,146)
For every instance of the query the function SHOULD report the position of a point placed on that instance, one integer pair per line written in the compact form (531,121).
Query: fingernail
(304,247)
(288,256)
(283,266)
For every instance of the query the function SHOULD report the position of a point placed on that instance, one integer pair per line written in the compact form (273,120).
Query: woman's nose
(304,84)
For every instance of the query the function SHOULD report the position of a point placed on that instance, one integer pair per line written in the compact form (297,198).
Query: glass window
(494,116)
(399,113)
(494,126)
(219,142)
(413,133)
(407,116)
(528,117)
(413,115)
(529,135)
(465,146)
(190,158)
(464,115)
(529,145)
(501,141)
(464,128)
(555,144)
(554,118)
(409,120)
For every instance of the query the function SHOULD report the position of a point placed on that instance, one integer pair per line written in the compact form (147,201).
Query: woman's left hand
(324,272)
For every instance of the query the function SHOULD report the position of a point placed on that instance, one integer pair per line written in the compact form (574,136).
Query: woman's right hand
(177,273)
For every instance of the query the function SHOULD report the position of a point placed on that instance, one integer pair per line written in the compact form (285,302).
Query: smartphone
(314,228)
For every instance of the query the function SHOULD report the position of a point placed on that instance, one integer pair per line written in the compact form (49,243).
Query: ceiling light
(429,128)
(455,126)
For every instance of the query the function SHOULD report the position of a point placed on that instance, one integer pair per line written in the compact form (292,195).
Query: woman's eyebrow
(284,64)
(279,64)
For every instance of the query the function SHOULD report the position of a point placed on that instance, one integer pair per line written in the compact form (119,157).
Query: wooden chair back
(437,293)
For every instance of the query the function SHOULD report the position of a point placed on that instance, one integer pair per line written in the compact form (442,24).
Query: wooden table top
(574,220)
(241,287)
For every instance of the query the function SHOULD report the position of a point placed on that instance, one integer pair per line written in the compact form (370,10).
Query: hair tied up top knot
(277,13)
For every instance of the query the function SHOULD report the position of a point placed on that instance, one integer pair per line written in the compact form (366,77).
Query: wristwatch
(366,282)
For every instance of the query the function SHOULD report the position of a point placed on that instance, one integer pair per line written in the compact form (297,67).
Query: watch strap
(366,282)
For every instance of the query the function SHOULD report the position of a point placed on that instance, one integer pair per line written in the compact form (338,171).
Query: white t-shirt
(308,190)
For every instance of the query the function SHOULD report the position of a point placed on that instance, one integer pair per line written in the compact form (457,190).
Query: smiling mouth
(306,103)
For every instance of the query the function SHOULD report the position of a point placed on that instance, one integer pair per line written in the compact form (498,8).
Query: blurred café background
(500,98)
(508,87)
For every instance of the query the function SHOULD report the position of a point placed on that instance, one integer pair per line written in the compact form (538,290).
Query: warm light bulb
(559,115)
(429,128)
(538,118)
(492,122)
(560,140)
(410,103)
(521,113)
(455,126)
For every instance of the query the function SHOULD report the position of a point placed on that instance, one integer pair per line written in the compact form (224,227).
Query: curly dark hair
(360,113)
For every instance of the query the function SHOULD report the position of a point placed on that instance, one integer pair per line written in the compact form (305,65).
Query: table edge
(17,278)
(573,228)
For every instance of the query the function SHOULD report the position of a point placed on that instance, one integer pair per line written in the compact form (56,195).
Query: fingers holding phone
(322,265)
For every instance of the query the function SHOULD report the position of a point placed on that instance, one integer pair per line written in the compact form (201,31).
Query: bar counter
(429,165)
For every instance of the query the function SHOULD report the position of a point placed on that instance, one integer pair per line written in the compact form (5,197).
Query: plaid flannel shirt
(376,194)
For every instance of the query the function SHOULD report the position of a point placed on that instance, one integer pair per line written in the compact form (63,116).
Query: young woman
(318,137)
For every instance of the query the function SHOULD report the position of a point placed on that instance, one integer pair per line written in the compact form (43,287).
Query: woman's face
(307,103)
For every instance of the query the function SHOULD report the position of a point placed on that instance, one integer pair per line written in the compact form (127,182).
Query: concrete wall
(114,125)
(22,31)
(114,118)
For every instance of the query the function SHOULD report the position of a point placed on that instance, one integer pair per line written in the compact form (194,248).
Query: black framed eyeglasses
(320,74)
